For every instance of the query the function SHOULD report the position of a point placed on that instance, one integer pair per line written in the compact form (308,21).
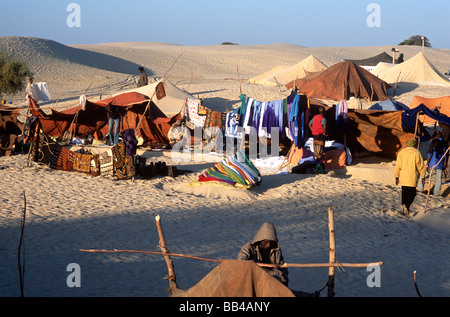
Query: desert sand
(68,211)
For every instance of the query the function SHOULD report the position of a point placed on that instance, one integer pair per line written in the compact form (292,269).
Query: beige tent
(267,78)
(417,70)
(283,75)
(381,68)
(173,101)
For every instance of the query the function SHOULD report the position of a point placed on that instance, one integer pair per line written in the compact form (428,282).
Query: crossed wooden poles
(333,263)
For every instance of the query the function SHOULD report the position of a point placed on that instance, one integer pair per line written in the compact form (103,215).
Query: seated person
(264,248)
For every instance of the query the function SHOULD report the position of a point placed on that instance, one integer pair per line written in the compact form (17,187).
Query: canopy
(442,103)
(417,70)
(342,80)
(174,98)
(433,114)
(283,75)
(233,278)
(392,105)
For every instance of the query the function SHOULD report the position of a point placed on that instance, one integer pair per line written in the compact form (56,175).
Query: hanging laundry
(130,140)
(273,117)
(232,127)
(342,116)
(191,113)
(213,119)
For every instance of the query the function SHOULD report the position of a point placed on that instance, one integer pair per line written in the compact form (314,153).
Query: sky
(330,23)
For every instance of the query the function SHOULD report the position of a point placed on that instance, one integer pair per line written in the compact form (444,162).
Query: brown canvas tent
(340,81)
(91,118)
(379,132)
(233,278)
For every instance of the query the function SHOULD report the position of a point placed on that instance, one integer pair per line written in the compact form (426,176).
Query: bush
(13,74)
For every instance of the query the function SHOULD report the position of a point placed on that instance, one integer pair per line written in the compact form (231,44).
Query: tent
(90,118)
(267,78)
(381,67)
(173,100)
(283,75)
(233,278)
(393,105)
(372,61)
(379,132)
(442,103)
(417,70)
(340,81)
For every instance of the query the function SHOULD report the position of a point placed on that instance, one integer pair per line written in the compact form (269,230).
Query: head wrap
(411,143)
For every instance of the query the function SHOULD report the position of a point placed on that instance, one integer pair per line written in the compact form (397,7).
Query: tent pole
(330,282)
(297,265)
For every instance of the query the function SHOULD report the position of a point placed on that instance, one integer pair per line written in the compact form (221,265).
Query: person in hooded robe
(265,248)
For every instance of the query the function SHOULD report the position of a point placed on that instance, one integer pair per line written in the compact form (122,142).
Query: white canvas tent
(283,75)
(417,69)
(381,68)
(174,100)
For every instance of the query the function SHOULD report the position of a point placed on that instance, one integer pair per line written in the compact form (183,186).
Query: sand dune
(67,211)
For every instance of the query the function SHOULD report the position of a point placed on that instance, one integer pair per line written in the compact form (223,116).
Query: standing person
(318,126)
(143,79)
(264,248)
(31,90)
(446,139)
(435,152)
(408,167)
(113,123)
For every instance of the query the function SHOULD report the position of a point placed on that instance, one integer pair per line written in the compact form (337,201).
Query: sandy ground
(67,211)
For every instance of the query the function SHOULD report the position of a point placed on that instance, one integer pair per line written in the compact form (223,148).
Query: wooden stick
(278,84)
(415,285)
(429,181)
(20,252)
(165,251)
(332,254)
(371,92)
(285,265)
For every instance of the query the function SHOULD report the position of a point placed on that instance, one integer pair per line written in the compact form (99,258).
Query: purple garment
(273,116)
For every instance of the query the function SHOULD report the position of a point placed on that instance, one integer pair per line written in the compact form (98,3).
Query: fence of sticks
(173,287)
